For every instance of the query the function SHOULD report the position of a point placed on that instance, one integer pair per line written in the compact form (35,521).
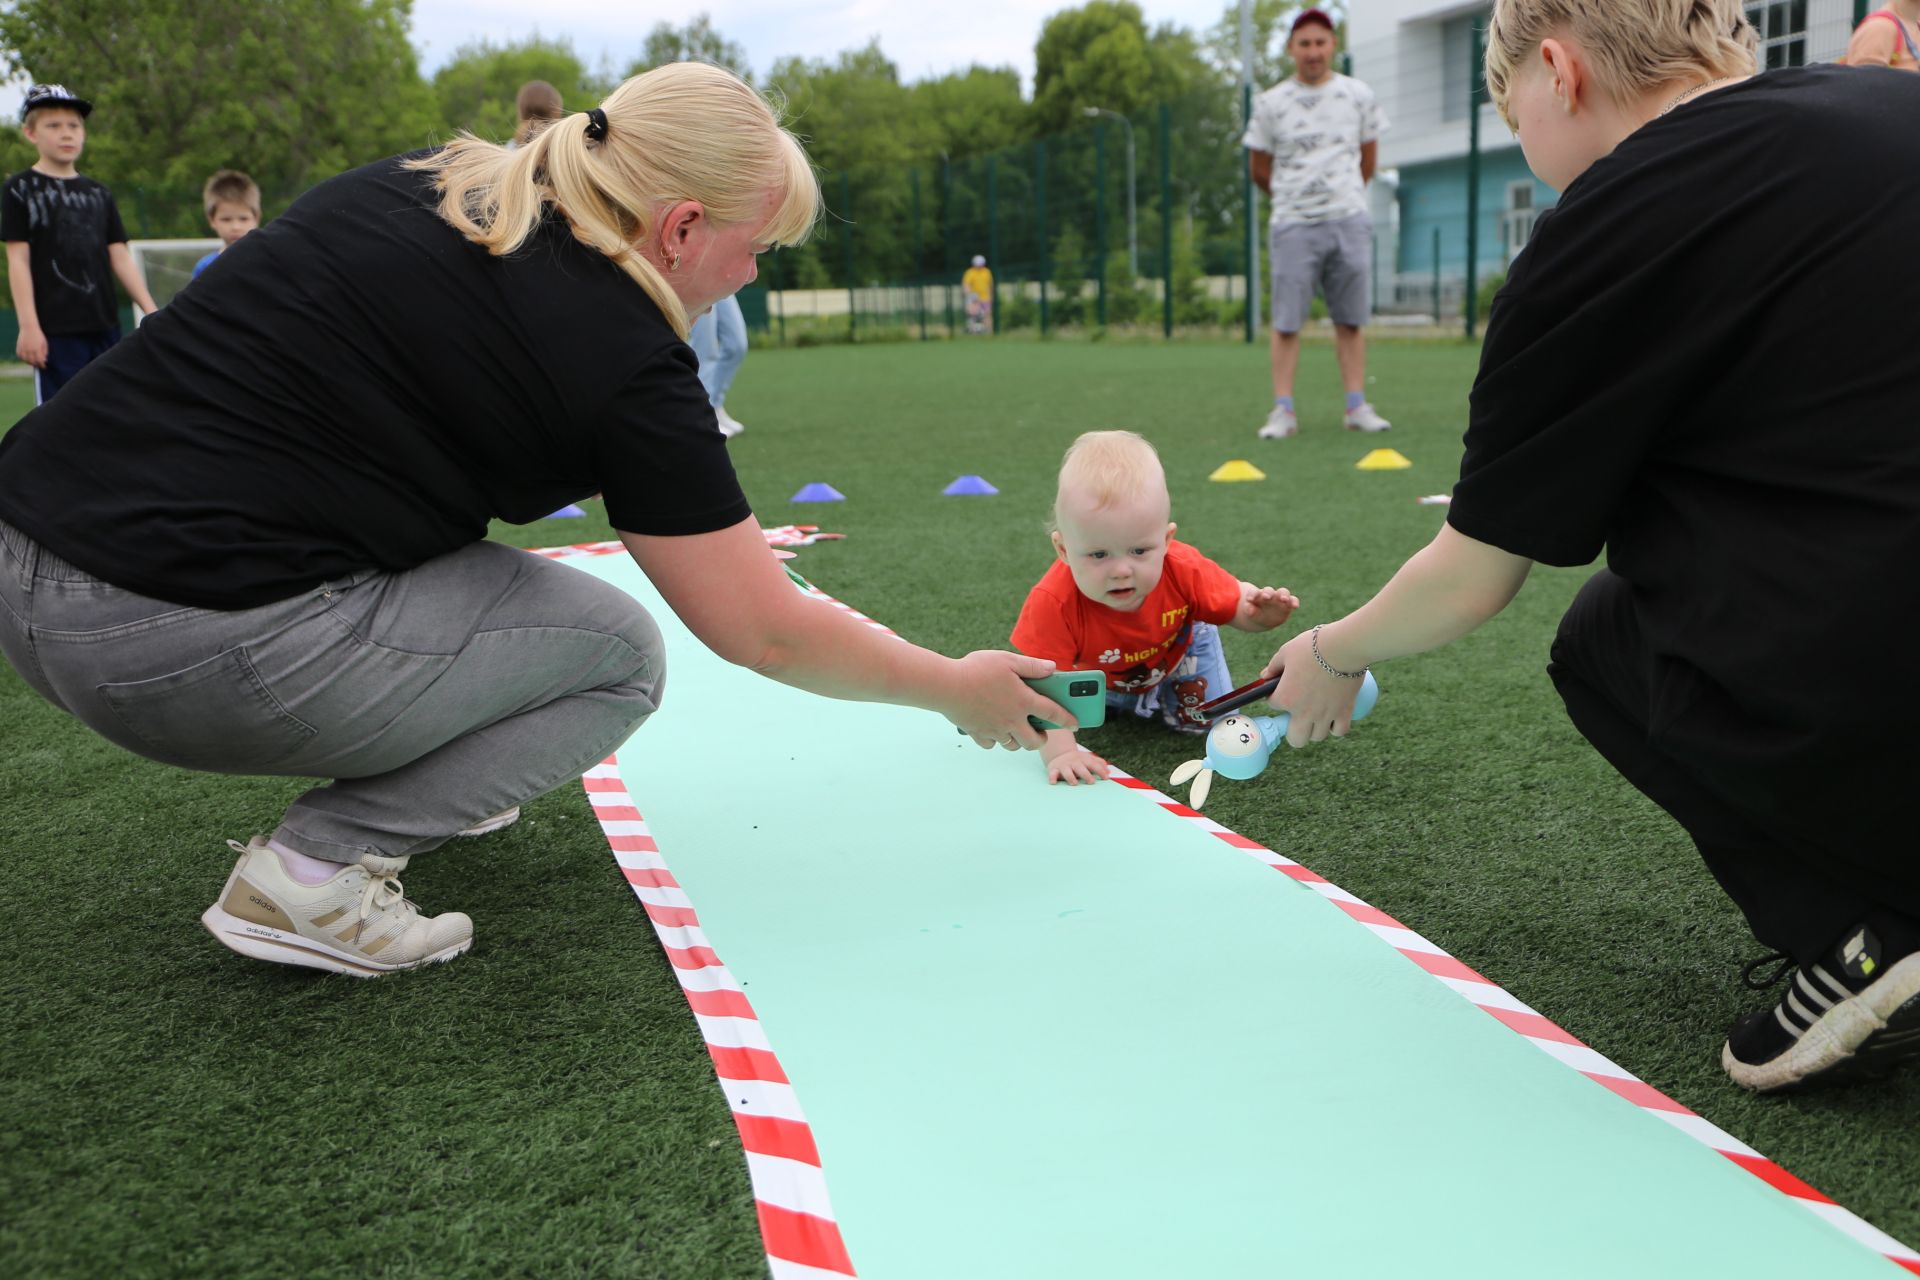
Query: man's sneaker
(1365,418)
(357,923)
(729,425)
(505,818)
(1855,1015)
(1280,424)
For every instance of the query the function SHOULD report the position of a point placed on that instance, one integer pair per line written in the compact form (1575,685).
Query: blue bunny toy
(1239,746)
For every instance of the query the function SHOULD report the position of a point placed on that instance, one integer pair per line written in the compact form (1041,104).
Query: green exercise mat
(1061,1032)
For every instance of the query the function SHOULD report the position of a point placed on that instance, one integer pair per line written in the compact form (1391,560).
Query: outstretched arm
(732,593)
(1448,588)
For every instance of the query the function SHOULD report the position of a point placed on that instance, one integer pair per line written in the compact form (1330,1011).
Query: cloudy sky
(921,38)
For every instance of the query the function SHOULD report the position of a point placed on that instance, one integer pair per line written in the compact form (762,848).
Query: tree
(291,92)
(856,119)
(477,86)
(695,42)
(973,111)
(1101,55)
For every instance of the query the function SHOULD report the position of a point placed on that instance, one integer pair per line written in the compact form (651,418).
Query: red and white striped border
(796,1219)
(789,1191)
(1544,1033)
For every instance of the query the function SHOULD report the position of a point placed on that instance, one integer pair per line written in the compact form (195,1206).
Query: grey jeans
(434,698)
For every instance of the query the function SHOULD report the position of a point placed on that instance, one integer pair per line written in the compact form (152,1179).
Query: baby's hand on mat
(1077,766)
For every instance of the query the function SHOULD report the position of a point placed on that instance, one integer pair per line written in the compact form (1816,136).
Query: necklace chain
(1684,94)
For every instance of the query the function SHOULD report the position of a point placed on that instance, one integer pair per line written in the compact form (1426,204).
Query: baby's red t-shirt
(1136,648)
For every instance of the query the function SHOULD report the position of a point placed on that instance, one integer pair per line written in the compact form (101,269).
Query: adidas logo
(262,903)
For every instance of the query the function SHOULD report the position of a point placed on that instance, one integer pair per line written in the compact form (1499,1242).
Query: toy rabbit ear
(1201,785)
(1187,770)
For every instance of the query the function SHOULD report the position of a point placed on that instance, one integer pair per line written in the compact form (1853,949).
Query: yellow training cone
(1384,460)
(1238,469)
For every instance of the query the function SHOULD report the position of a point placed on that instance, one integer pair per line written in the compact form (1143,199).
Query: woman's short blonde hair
(1103,468)
(1632,45)
(683,131)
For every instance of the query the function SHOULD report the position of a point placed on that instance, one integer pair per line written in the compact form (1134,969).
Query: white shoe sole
(1276,433)
(1372,431)
(280,947)
(505,818)
(1861,1038)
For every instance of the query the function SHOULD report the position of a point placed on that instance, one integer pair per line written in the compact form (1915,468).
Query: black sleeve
(13,213)
(116,229)
(659,456)
(1574,391)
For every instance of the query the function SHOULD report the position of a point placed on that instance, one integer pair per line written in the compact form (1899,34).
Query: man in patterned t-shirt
(1312,143)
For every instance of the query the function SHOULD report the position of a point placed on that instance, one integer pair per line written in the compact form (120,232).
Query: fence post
(946,236)
(774,290)
(1100,222)
(993,238)
(846,235)
(1436,275)
(1166,220)
(1040,205)
(1472,299)
(919,257)
(1249,210)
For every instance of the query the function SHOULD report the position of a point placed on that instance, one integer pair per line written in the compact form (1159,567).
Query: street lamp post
(1133,226)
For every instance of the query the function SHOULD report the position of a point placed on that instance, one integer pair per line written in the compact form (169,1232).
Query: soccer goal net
(167,265)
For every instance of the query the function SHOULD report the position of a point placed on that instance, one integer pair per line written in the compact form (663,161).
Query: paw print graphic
(1111,655)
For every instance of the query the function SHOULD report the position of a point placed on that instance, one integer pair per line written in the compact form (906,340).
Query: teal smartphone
(1082,692)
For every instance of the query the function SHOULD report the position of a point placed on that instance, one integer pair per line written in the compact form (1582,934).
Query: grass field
(544,1106)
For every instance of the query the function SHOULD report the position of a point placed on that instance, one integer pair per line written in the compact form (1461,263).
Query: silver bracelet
(1313,642)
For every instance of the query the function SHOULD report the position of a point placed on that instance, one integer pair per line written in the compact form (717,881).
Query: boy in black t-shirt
(65,244)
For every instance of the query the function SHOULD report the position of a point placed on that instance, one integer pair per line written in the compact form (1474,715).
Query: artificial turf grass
(554,1110)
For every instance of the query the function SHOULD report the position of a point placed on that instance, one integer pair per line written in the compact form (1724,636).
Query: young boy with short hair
(65,246)
(232,202)
(1125,597)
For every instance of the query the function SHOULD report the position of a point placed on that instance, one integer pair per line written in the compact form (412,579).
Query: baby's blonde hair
(683,131)
(1633,45)
(1102,468)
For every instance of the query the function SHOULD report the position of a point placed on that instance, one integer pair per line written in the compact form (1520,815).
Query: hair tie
(597,124)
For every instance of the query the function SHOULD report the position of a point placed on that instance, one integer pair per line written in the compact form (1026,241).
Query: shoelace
(378,898)
(1785,966)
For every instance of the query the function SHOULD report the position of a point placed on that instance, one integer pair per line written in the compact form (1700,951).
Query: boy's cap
(1311,17)
(54,95)
(979,261)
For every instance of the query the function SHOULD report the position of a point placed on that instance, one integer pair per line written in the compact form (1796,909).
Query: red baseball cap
(1309,17)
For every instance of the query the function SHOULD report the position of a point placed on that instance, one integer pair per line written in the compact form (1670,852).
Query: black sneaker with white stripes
(1854,1015)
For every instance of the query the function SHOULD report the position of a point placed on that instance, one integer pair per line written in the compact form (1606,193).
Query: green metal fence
(1130,220)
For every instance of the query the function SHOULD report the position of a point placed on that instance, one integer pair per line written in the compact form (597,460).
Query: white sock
(305,870)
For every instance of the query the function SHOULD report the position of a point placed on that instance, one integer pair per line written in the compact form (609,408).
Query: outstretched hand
(1264,608)
(1320,705)
(991,703)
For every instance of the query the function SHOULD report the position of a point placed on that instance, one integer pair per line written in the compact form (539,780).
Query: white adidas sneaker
(358,923)
(1365,418)
(1280,424)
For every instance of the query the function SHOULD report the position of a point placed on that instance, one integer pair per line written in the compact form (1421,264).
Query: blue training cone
(567,512)
(966,485)
(818,492)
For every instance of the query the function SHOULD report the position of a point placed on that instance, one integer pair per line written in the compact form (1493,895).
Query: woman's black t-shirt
(1707,361)
(353,387)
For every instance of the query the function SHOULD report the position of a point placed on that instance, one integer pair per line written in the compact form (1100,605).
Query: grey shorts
(1334,257)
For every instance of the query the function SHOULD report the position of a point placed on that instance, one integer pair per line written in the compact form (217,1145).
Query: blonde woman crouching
(253,540)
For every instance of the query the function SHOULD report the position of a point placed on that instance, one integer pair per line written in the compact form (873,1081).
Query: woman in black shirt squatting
(251,539)
(1699,366)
